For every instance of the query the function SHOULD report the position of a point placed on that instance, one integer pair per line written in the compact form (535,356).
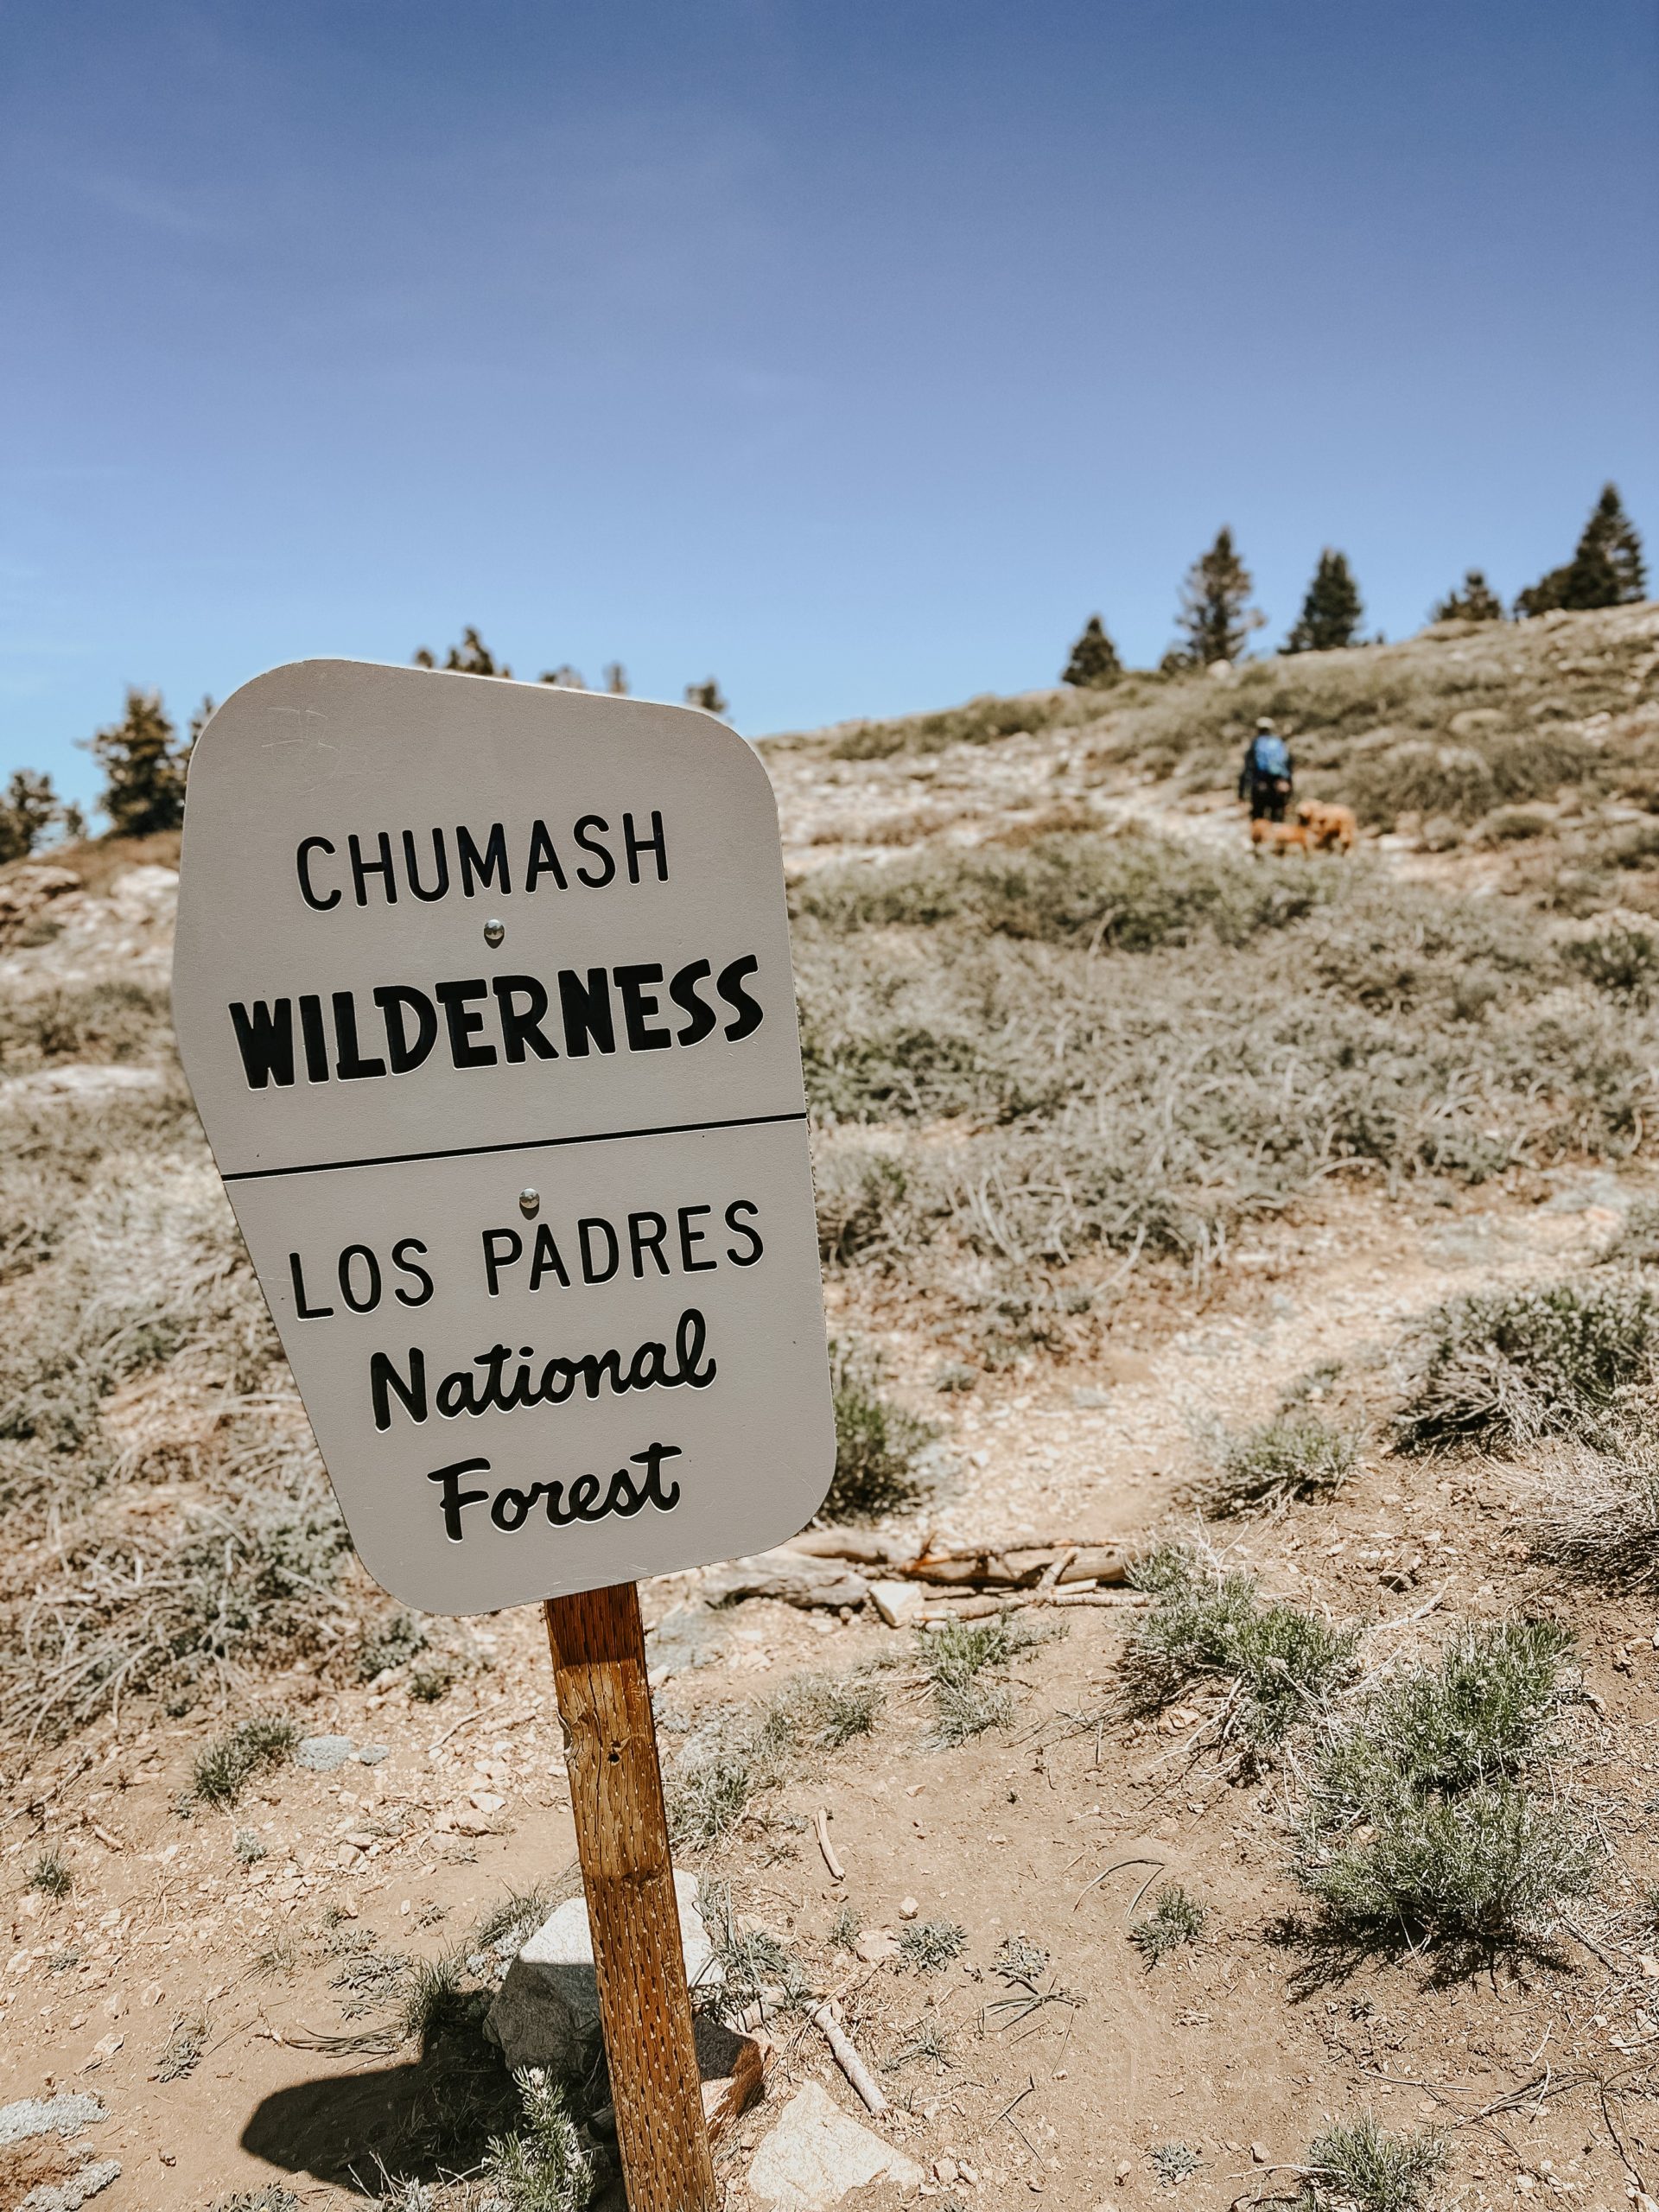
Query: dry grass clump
(1619,952)
(982,721)
(1042,1102)
(1357,2166)
(1294,1455)
(544,2164)
(1176,1920)
(1130,891)
(1424,1820)
(1596,1516)
(1502,1369)
(111,1018)
(879,1443)
(223,1769)
(737,1753)
(1210,1623)
(965,1663)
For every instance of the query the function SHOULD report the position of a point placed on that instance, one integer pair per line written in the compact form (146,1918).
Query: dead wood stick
(1056,1568)
(821,1824)
(846,2058)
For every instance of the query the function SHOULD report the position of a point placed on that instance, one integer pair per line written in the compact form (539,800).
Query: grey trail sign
(484,991)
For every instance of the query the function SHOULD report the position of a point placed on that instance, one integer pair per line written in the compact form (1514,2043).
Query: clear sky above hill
(851,353)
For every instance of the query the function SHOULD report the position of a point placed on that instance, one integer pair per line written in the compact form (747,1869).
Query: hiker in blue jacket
(1268,773)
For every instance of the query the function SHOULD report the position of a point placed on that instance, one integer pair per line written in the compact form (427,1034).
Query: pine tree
(1606,569)
(1473,601)
(26,812)
(563,677)
(705,695)
(1331,612)
(616,679)
(1216,614)
(1094,666)
(143,768)
(471,657)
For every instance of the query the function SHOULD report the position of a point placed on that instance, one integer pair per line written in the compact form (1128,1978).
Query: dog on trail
(1279,836)
(1328,829)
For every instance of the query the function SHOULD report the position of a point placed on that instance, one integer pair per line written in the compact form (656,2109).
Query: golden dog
(1279,836)
(1329,828)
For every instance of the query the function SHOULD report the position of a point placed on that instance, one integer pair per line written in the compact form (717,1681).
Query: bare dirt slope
(1087,1281)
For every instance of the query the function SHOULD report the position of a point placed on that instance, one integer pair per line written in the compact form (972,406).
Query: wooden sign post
(484,991)
(616,1795)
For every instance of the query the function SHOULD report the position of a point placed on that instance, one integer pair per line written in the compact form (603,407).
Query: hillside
(1288,1226)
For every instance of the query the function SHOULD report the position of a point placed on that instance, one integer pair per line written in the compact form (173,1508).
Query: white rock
(900,1603)
(818,2153)
(548,2008)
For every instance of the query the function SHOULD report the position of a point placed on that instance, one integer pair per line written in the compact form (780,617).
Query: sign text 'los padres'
(484,991)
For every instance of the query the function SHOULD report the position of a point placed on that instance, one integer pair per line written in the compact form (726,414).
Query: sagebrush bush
(1293,1455)
(1130,893)
(1207,1623)
(1424,1817)
(879,1443)
(1357,2166)
(965,1662)
(1502,1369)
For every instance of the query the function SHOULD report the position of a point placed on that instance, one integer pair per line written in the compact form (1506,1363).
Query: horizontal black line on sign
(525,1144)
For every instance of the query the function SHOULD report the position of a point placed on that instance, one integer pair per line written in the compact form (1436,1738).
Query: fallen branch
(821,1825)
(846,2058)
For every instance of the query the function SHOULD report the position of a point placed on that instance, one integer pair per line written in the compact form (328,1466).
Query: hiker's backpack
(1272,757)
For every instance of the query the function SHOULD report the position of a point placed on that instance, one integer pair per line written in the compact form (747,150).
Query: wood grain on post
(616,1795)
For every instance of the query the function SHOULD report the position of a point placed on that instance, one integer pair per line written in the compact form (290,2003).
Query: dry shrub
(1595,1514)
(1502,1369)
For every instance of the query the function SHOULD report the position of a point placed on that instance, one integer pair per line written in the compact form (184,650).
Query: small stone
(486,1800)
(1125,2168)
(323,1754)
(372,1754)
(1261,2153)
(945,2170)
(908,1908)
(875,1946)
(897,1603)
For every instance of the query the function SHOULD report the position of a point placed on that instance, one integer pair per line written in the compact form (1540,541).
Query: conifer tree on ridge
(1606,569)
(1332,612)
(1216,614)
(1094,666)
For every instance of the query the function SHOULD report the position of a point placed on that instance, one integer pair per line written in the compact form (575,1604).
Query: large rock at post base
(817,2154)
(548,2010)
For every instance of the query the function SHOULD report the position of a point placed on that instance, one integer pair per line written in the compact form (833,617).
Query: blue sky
(853,353)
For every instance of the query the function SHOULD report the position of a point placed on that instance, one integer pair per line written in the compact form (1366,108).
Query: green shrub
(542,2166)
(1502,1369)
(1422,1819)
(1294,1455)
(1207,1623)
(1360,2167)
(1619,952)
(224,1768)
(965,1661)
(52,1875)
(879,1444)
(1175,1920)
(929,1946)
